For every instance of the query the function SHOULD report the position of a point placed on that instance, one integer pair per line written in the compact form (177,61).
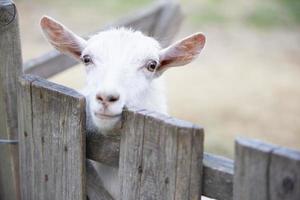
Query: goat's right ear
(62,38)
(182,52)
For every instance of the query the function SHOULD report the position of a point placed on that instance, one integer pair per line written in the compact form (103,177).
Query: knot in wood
(7,14)
(140,169)
(46,177)
(167,180)
(287,185)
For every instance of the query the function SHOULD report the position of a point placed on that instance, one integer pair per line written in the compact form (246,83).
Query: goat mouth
(106,116)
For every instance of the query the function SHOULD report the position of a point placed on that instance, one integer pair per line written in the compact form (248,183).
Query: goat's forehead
(123,43)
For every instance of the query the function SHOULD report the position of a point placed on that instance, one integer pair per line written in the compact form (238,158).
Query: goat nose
(107,98)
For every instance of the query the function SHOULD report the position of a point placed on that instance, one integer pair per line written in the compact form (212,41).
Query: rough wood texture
(104,149)
(251,170)
(162,20)
(217,179)
(284,174)
(160,157)
(52,141)
(10,69)
(49,64)
(264,171)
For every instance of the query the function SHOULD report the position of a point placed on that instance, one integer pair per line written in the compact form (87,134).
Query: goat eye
(86,59)
(151,65)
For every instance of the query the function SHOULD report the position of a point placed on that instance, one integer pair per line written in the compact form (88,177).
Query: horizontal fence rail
(161,21)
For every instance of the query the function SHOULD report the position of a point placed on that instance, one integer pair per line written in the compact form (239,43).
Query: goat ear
(182,52)
(62,38)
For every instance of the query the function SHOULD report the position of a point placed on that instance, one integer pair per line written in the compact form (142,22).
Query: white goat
(123,69)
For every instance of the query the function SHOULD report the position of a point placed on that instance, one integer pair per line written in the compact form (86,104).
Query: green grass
(105,7)
(259,14)
(208,15)
(293,8)
(266,16)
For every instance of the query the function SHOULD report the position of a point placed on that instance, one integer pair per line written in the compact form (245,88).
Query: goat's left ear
(62,38)
(182,52)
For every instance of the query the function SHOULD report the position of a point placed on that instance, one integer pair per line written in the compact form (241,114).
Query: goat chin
(105,126)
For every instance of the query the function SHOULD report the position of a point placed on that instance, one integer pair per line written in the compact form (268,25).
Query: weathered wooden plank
(265,171)
(57,142)
(130,168)
(189,140)
(156,158)
(159,159)
(104,149)
(49,64)
(252,160)
(10,69)
(25,135)
(162,20)
(217,179)
(94,186)
(284,174)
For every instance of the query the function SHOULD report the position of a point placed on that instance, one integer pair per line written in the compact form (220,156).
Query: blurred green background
(245,83)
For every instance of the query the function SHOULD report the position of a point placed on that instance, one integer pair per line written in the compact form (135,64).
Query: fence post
(160,158)
(264,171)
(10,69)
(51,141)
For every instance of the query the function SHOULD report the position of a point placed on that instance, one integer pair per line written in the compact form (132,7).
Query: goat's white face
(117,66)
(121,65)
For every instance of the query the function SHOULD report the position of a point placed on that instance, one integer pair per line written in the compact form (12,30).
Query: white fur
(119,57)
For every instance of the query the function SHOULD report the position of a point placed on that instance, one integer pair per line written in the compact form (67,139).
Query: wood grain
(217,179)
(251,170)
(284,174)
(53,141)
(10,69)
(156,157)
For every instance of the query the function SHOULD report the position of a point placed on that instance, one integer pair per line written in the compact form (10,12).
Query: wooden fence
(158,157)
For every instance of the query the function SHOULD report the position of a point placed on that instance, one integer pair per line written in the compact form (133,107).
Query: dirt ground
(245,83)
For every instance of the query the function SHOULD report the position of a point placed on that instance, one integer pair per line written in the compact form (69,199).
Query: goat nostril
(112,98)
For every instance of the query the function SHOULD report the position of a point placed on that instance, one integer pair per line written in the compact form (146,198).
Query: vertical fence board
(167,156)
(25,136)
(196,173)
(131,156)
(10,69)
(284,175)
(54,142)
(251,170)
(184,154)
(264,171)
(159,160)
